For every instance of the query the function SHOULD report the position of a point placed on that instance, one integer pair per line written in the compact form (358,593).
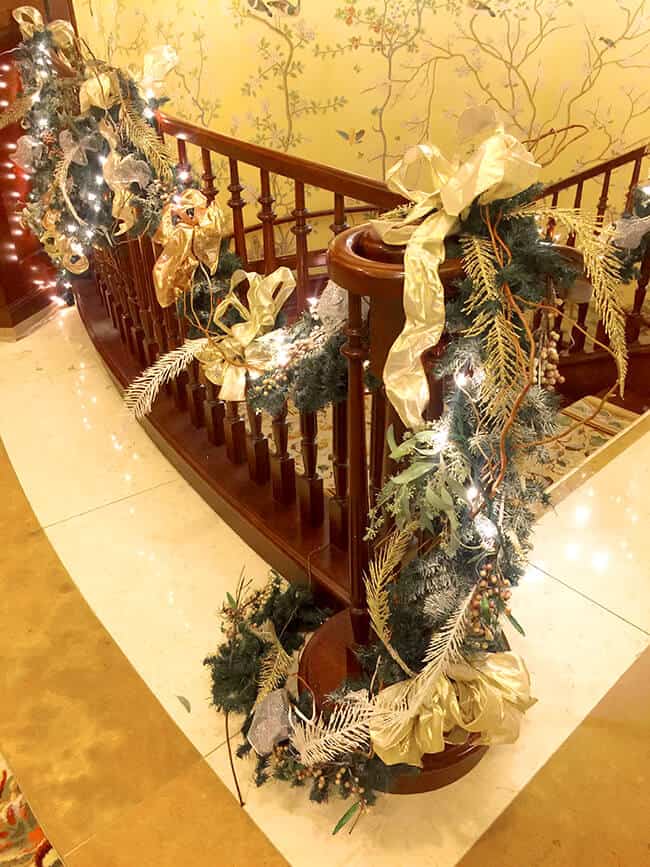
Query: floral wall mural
(354,83)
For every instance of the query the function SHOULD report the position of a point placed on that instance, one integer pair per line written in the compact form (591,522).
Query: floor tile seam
(588,598)
(108,504)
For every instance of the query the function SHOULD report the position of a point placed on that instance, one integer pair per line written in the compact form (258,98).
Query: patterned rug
(22,841)
(566,454)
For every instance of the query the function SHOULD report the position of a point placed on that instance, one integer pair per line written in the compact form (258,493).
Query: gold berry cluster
(491,597)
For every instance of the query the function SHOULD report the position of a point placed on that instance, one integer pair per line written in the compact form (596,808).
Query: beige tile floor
(154,563)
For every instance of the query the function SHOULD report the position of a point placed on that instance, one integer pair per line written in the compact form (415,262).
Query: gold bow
(156,66)
(226,360)
(499,167)
(487,698)
(101,89)
(190,231)
(59,247)
(119,173)
(30,22)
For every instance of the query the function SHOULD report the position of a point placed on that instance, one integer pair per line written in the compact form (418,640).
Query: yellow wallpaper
(354,83)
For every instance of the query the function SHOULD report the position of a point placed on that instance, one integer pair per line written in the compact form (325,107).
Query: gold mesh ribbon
(59,247)
(100,89)
(487,698)
(226,360)
(156,66)
(190,232)
(499,167)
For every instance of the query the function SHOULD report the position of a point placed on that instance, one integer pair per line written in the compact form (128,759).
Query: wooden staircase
(249,477)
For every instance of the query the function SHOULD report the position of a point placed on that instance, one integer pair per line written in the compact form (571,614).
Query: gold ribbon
(156,66)
(30,21)
(499,167)
(226,360)
(190,231)
(487,698)
(119,173)
(59,247)
(100,89)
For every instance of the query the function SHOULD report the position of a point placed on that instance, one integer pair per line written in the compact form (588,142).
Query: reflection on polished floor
(153,563)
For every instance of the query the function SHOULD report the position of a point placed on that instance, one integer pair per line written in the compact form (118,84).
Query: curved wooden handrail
(596,171)
(307,172)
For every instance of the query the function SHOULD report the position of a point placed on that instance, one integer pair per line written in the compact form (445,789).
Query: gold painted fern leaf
(504,368)
(602,267)
(142,392)
(61,181)
(145,138)
(275,664)
(480,266)
(380,573)
(16,111)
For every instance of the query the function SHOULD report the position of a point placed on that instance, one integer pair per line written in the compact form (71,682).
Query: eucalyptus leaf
(410,474)
(345,818)
(516,624)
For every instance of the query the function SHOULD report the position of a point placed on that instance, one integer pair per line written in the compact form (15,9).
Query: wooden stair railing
(247,472)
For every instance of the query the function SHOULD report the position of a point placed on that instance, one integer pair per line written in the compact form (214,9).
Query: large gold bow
(100,89)
(499,167)
(30,21)
(60,247)
(226,360)
(119,173)
(156,66)
(487,698)
(190,231)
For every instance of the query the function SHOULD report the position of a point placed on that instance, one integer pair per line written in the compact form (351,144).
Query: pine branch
(346,731)
(142,392)
(380,573)
(144,137)
(16,111)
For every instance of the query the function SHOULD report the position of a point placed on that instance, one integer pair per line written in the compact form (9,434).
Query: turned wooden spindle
(267,217)
(634,182)
(150,344)
(604,195)
(340,224)
(235,433)
(378,426)
(301,230)
(259,462)
(132,321)
(283,468)
(338,504)
(157,315)
(183,167)
(236,204)
(214,411)
(207,187)
(310,484)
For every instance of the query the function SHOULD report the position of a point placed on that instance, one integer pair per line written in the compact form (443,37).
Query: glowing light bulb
(461,379)
(102,159)
(148,113)
(4,103)
(472,492)
(43,122)
(645,189)
(71,227)
(149,93)
(183,176)
(99,179)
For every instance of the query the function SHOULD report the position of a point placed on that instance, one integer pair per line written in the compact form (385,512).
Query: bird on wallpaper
(284,7)
(355,136)
(481,7)
(608,42)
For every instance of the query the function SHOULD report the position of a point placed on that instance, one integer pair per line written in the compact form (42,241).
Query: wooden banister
(289,166)
(595,171)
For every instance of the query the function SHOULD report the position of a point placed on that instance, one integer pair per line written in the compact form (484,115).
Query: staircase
(284,483)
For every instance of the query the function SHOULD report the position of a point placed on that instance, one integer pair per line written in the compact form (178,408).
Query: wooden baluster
(578,336)
(267,218)
(301,230)
(604,193)
(634,182)
(237,204)
(208,189)
(358,470)
(310,485)
(235,433)
(338,504)
(259,463)
(214,411)
(196,394)
(577,201)
(550,226)
(183,168)
(283,470)
(150,345)
(377,441)
(157,316)
(340,224)
(135,330)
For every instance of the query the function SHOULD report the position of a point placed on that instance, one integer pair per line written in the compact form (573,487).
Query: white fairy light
(645,189)
(149,93)
(97,206)
(43,122)
(67,285)
(92,196)
(99,179)
(472,492)
(183,176)
(148,113)
(485,527)
(5,67)
(89,233)
(76,248)
(71,227)
(461,379)
(176,200)
(102,159)
(56,299)
(4,103)
(282,357)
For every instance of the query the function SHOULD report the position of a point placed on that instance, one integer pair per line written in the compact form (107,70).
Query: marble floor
(154,562)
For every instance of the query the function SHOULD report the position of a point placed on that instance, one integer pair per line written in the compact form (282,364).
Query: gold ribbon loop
(487,698)
(29,21)
(156,66)
(499,167)
(226,361)
(190,232)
